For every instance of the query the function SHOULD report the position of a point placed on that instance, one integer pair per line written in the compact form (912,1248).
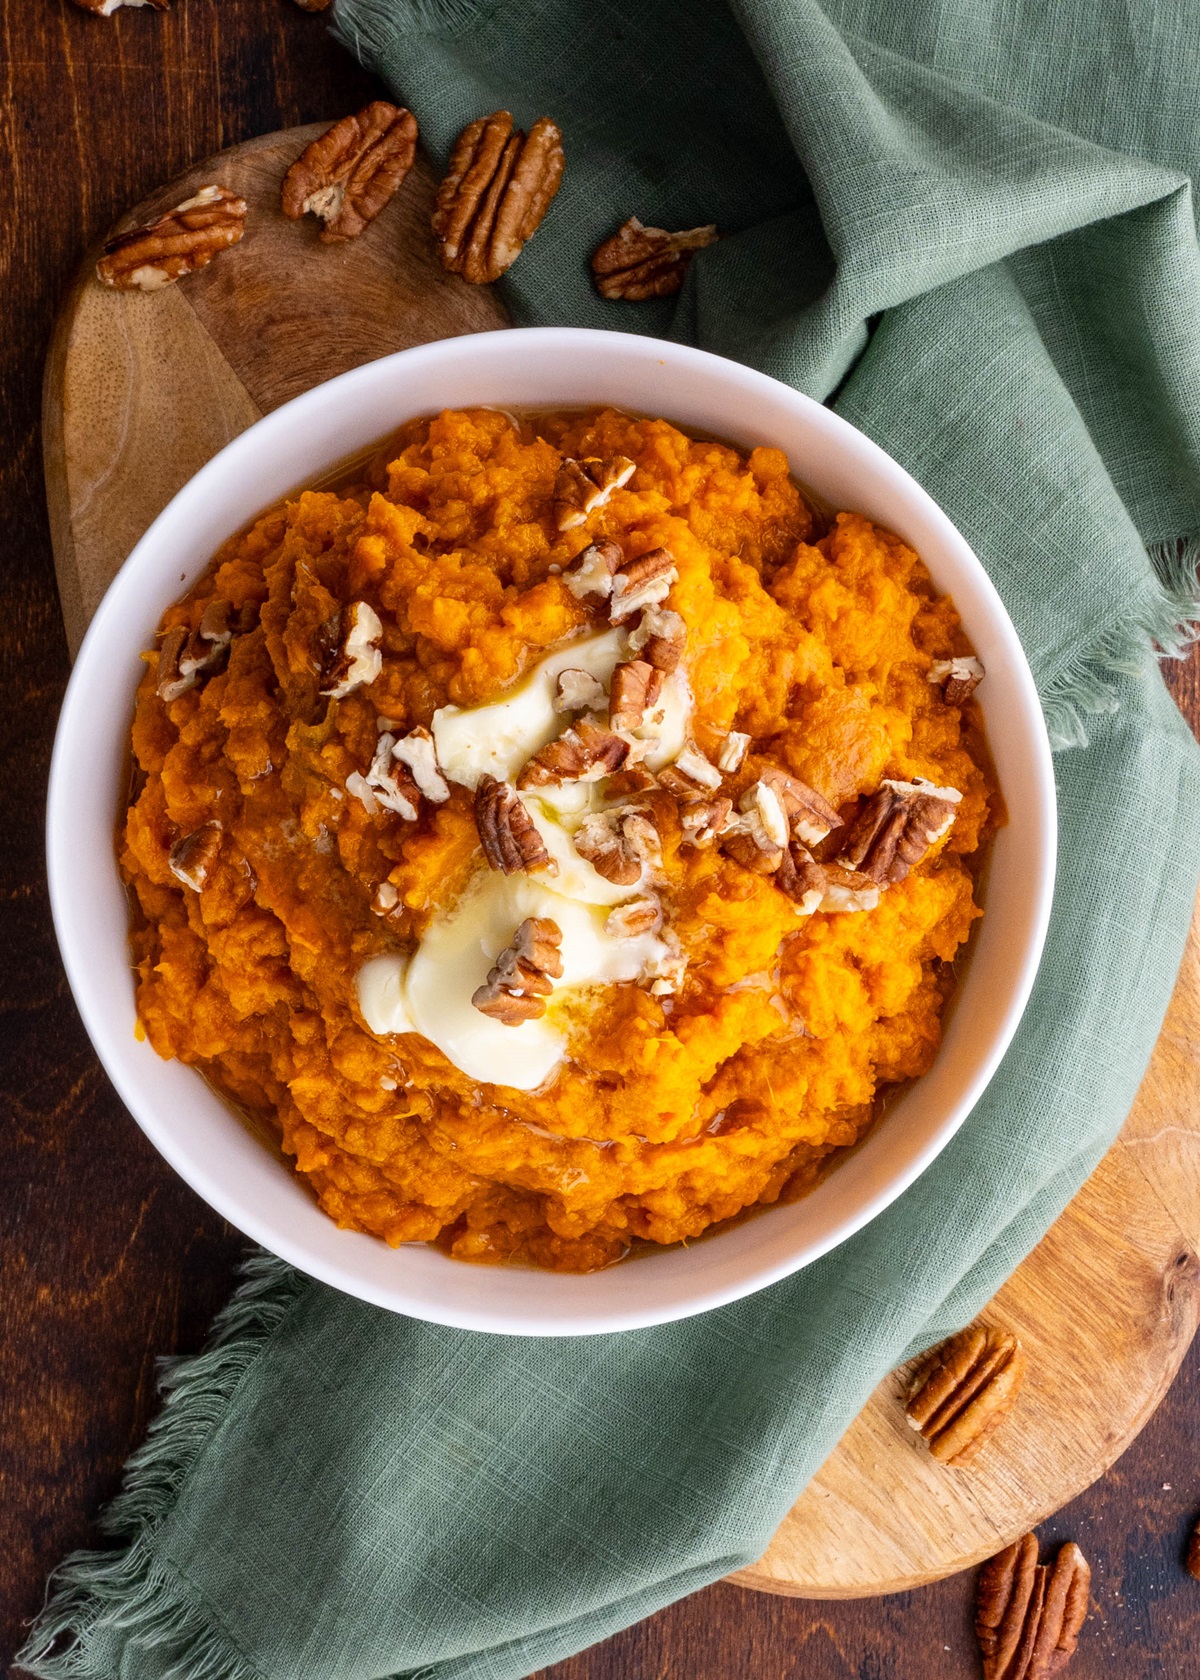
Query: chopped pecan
(591,573)
(633,782)
(387,897)
(1028,1615)
(583,486)
(191,858)
(635,687)
(691,776)
(847,892)
(578,691)
(348,650)
(208,647)
(171,682)
(660,637)
(957,678)
(640,915)
(417,752)
(185,239)
(387,783)
(507,833)
(523,975)
(618,844)
(896,827)
(964,1390)
(641,583)
(106,8)
(584,753)
(1193,1553)
(644,262)
(498,187)
(802,878)
(809,816)
(733,751)
(763,809)
(750,846)
(666,972)
(704,820)
(347,175)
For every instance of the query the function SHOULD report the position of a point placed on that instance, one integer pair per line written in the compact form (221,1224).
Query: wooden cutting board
(141,390)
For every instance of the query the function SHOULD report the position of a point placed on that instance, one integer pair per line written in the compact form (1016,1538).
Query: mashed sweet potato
(813,636)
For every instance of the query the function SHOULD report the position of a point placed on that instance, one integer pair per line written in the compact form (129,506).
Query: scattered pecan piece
(618,844)
(523,975)
(578,691)
(644,262)
(964,1390)
(640,915)
(387,783)
(208,647)
(192,857)
(584,753)
(733,752)
(764,811)
(810,817)
(633,782)
(802,878)
(106,8)
(171,682)
(847,892)
(387,897)
(641,583)
(666,973)
(704,820)
(314,5)
(897,827)
(351,172)
(1028,1615)
(348,650)
(660,637)
(185,239)
(692,775)
(635,687)
(506,830)
(957,678)
(591,573)
(751,847)
(583,486)
(418,754)
(1193,1553)
(499,186)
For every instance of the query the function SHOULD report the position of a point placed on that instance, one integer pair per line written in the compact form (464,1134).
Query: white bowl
(204,1140)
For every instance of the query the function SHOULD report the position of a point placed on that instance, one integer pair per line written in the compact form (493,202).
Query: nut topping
(692,775)
(733,752)
(192,857)
(349,646)
(640,915)
(314,5)
(387,897)
(618,844)
(660,637)
(578,691)
(386,783)
(633,782)
(1193,1553)
(897,827)
(523,975)
(498,187)
(964,1390)
(185,239)
(418,754)
(847,892)
(591,573)
(644,262)
(583,486)
(641,583)
(1028,1615)
(208,648)
(802,878)
(635,688)
(750,846)
(106,8)
(704,820)
(350,173)
(810,817)
(763,807)
(506,830)
(171,680)
(584,753)
(957,678)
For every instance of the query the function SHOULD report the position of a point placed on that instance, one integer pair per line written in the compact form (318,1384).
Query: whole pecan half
(1028,1615)
(106,8)
(581,487)
(350,173)
(964,1389)
(192,856)
(523,975)
(585,753)
(184,240)
(498,187)
(507,833)
(896,827)
(644,262)
(957,678)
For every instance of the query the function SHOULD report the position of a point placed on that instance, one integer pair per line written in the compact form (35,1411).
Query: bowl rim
(84,982)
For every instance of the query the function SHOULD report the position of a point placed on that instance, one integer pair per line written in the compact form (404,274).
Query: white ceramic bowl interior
(211,1148)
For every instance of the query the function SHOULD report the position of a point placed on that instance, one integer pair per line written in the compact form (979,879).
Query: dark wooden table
(106,1259)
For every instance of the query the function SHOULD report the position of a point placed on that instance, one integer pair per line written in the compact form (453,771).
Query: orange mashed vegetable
(814,636)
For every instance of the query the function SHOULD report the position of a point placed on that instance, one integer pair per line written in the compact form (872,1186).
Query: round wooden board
(141,390)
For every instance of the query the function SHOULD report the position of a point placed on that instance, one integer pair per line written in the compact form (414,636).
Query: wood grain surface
(107,1260)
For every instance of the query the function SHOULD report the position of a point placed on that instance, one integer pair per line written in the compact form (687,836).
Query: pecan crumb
(1028,1615)
(644,262)
(896,828)
(507,833)
(584,753)
(417,752)
(581,487)
(964,1390)
(810,817)
(184,240)
(498,187)
(523,975)
(348,650)
(802,878)
(847,892)
(347,175)
(191,858)
(691,776)
(957,678)
(641,583)
(578,691)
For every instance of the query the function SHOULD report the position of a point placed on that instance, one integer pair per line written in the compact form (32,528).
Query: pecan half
(578,691)
(499,186)
(523,975)
(704,820)
(314,5)
(810,817)
(847,892)
(185,239)
(644,262)
(733,752)
(506,830)
(660,637)
(641,583)
(106,8)
(802,878)
(347,175)
(640,915)
(581,487)
(1192,1564)
(1028,1615)
(635,687)
(191,858)
(618,844)
(691,776)
(897,827)
(348,650)
(964,1390)
(584,753)
(957,678)
(591,573)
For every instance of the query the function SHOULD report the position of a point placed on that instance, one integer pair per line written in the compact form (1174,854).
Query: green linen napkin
(969,225)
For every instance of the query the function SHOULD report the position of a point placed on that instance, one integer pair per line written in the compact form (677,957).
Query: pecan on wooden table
(185,239)
(964,1390)
(646,262)
(347,175)
(497,190)
(1028,1614)
(106,8)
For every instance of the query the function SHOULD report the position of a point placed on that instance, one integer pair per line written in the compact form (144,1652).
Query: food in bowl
(559,832)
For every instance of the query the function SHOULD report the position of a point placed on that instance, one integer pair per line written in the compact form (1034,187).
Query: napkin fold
(971,229)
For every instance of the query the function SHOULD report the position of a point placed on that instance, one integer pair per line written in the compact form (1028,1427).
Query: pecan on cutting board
(352,171)
(185,239)
(964,1390)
